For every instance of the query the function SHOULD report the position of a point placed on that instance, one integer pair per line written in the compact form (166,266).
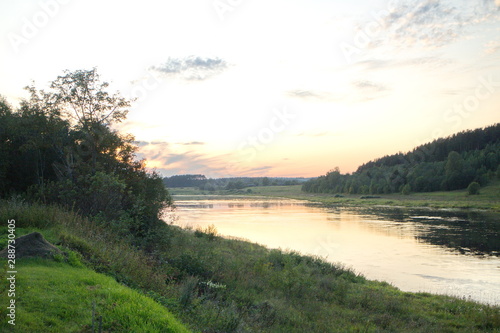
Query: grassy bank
(58,297)
(214,284)
(488,199)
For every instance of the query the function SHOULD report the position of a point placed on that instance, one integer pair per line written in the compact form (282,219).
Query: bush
(473,188)
(406,189)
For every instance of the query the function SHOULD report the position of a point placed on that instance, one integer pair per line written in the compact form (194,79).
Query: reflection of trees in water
(236,205)
(467,232)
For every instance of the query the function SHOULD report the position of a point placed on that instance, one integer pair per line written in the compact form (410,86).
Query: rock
(32,245)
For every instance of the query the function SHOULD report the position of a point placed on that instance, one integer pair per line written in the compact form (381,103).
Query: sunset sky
(268,88)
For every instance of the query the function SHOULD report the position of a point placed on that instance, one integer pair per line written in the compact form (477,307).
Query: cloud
(430,62)
(368,86)
(257,171)
(365,90)
(428,23)
(368,90)
(312,95)
(171,160)
(164,144)
(192,143)
(492,46)
(192,68)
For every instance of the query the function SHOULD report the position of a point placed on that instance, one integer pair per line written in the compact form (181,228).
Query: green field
(488,199)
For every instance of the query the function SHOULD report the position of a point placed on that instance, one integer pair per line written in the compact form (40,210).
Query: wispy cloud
(430,62)
(174,159)
(364,90)
(367,90)
(369,86)
(191,143)
(313,95)
(430,23)
(192,68)
(492,46)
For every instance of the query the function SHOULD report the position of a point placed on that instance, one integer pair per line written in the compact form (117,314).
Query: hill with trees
(445,164)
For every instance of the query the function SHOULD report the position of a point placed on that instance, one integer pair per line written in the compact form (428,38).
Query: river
(418,250)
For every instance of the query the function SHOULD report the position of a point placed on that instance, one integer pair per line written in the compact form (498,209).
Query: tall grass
(97,243)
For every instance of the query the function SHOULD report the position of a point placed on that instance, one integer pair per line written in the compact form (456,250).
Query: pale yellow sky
(276,88)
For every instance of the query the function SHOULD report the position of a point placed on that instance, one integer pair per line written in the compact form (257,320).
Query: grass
(214,284)
(57,297)
(488,199)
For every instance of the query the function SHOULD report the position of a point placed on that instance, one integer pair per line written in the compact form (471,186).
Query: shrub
(473,188)
(406,189)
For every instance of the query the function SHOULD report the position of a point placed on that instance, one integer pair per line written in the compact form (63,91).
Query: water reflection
(467,232)
(416,250)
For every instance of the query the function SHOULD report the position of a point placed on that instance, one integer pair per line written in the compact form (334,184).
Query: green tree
(266,181)
(454,172)
(84,99)
(454,163)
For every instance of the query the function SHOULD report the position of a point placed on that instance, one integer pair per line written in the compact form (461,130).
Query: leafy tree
(84,99)
(266,181)
(454,164)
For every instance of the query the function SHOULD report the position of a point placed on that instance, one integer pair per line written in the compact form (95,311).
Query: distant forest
(234,183)
(446,164)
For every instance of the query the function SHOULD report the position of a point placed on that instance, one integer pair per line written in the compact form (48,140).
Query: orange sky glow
(284,88)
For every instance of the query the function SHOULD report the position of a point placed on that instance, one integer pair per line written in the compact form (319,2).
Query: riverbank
(215,284)
(488,199)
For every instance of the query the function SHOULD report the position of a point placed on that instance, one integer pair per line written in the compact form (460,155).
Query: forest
(445,164)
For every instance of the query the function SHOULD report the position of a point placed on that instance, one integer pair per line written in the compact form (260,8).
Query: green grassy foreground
(210,284)
(59,297)
(488,199)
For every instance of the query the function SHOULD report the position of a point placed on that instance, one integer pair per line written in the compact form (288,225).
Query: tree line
(58,147)
(231,183)
(445,164)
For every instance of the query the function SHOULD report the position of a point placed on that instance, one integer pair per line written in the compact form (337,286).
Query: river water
(444,252)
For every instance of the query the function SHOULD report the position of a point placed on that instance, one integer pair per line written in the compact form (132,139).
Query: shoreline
(487,201)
